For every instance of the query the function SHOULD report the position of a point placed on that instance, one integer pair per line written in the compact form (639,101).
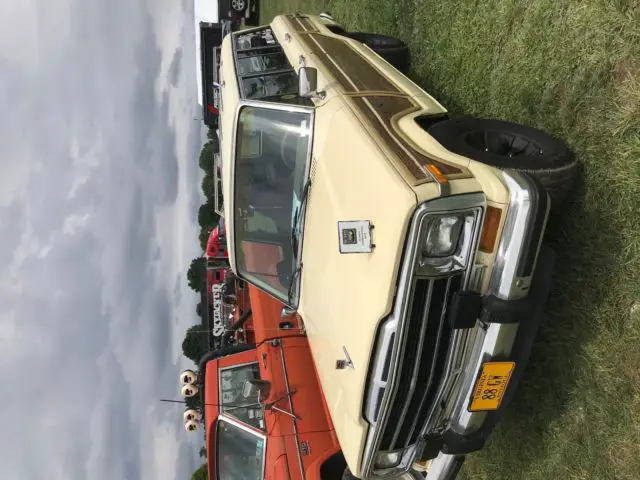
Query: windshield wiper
(295,233)
(297,217)
(294,277)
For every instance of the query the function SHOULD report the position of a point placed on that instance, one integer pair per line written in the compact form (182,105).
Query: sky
(99,191)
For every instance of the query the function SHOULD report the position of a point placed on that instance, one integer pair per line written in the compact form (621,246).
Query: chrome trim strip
(217,185)
(414,376)
(505,282)
(440,205)
(442,467)
(456,360)
(383,350)
(443,316)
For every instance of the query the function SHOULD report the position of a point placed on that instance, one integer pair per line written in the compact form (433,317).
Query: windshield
(240,452)
(272,153)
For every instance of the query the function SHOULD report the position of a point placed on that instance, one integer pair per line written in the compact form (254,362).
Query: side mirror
(255,388)
(307,81)
(286,312)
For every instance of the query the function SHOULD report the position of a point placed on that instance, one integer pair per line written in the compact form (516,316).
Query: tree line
(196,339)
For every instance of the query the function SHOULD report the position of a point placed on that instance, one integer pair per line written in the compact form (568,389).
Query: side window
(232,400)
(263,70)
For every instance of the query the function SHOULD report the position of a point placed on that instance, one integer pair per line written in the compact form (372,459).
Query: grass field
(572,68)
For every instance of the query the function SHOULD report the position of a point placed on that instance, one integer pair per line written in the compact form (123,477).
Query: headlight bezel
(458,258)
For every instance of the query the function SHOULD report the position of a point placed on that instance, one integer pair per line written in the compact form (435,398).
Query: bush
(208,188)
(196,275)
(207,216)
(195,343)
(206,157)
(201,474)
(204,237)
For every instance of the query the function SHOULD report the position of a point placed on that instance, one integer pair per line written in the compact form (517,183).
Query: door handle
(264,360)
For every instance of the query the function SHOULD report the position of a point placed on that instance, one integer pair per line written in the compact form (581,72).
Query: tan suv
(408,242)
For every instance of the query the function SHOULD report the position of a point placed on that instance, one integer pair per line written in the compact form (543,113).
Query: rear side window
(263,70)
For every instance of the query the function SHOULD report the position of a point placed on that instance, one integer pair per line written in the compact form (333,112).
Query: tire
(508,145)
(392,49)
(411,475)
(239,5)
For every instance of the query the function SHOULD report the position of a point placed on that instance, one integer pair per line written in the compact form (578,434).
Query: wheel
(411,475)
(239,5)
(509,145)
(392,49)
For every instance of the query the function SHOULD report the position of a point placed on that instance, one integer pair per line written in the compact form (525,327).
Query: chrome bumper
(510,281)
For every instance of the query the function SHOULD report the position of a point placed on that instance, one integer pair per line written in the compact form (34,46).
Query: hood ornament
(346,363)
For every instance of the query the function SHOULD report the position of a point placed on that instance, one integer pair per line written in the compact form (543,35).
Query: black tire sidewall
(240,10)
(556,168)
(377,41)
(392,49)
(452,133)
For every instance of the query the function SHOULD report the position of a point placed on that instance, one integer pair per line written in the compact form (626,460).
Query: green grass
(572,68)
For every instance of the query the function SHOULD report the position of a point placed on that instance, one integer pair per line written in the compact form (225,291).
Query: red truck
(227,301)
(264,413)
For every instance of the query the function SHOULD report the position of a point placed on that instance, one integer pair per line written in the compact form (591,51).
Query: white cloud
(97,228)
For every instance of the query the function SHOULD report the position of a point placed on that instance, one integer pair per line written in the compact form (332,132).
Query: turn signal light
(439,176)
(490,229)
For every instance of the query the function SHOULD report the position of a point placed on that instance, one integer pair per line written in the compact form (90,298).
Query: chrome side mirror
(307,81)
(287,312)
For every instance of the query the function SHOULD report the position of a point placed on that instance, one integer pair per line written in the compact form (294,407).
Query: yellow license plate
(490,387)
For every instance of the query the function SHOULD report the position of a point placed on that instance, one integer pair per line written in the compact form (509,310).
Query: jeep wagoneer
(408,241)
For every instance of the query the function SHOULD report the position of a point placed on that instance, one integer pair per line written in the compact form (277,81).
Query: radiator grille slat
(426,342)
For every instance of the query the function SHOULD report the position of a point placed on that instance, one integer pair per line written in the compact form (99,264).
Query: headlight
(446,242)
(442,235)
(386,460)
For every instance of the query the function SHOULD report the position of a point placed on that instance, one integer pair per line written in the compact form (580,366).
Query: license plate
(491,385)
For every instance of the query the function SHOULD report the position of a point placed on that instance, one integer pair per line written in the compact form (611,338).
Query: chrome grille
(425,345)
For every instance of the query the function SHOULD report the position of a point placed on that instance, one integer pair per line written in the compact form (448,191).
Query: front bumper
(468,432)
(510,314)
(501,327)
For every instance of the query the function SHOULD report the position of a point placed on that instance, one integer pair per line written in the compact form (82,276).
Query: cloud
(97,229)
(174,69)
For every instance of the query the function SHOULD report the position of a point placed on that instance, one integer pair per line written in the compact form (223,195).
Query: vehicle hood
(345,296)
